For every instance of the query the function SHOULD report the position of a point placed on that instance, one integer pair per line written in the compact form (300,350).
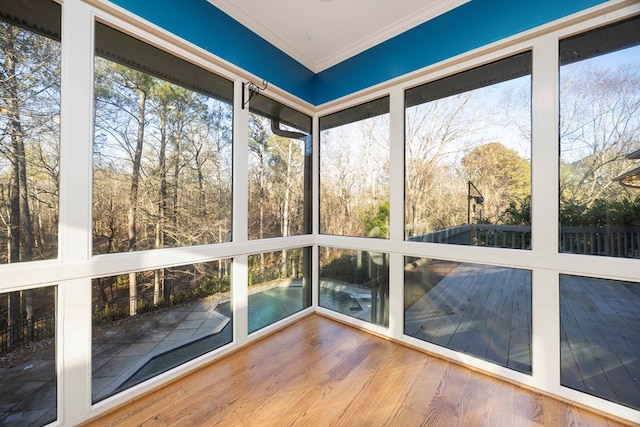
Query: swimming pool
(269,306)
(277,303)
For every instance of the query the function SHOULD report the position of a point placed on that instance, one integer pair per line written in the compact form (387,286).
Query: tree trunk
(13,318)
(201,190)
(261,202)
(158,282)
(285,208)
(39,235)
(176,183)
(133,197)
(22,228)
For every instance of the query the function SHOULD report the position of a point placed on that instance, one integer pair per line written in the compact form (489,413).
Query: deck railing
(605,241)
(500,236)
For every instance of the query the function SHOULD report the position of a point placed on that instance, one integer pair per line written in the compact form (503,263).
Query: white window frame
(74,268)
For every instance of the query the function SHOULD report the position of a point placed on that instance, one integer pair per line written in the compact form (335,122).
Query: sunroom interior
(180,181)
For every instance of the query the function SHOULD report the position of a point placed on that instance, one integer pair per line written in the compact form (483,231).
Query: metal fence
(18,336)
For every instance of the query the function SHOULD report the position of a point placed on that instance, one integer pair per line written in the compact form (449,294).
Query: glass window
(355,283)
(354,171)
(481,310)
(600,141)
(162,166)
(176,315)
(279,170)
(467,157)
(30,122)
(28,357)
(600,338)
(279,285)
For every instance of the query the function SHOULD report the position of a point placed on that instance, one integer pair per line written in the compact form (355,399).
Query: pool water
(270,306)
(277,303)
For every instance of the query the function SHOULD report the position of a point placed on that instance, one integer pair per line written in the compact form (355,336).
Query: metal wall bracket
(251,88)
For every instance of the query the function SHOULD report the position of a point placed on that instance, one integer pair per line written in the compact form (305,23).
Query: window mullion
(74,302)
(544,211)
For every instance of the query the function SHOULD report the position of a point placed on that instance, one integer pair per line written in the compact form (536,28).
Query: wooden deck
(486,311)
(318,372)
(480,310)
(600,338)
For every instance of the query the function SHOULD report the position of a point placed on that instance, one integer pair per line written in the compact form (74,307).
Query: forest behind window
(29,141)
(600,141)
(279,170)
(354,171)
(162,150)
(468,157)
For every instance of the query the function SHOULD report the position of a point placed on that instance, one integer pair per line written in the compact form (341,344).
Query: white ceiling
(322,33)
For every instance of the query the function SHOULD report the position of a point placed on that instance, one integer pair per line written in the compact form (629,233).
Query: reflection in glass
(28,357)
(600,338)
(355,283)
(467,157)
(481,310)
(176,320)
(279,285)
(354,171)
(600,142)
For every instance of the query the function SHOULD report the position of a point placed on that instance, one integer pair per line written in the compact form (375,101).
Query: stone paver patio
(119,350)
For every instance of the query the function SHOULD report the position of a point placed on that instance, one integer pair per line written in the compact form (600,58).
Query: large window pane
(467,157)
(176,315)
(600,142)
(30,123)
(28,357)
(279,170)
(354,171)
(600,338)
(279,285)
(162,149)
(476,309)
(355,283)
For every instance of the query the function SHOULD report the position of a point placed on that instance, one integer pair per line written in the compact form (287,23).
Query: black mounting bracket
(252,89)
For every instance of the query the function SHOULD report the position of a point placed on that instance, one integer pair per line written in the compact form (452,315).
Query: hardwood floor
(318,372)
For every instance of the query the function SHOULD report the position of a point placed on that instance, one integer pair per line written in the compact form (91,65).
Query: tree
(185,167)
(376,220)
(599,126)
(258,147)
(165,95)
(354,169)
(502,176)
(338,184)
(432,132)
(127,90)
(276,181)
(29,68)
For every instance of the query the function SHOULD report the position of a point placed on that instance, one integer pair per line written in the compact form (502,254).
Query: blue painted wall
(470,26)
(474,24)
(199,22)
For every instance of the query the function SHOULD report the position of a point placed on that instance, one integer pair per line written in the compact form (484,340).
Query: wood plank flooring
(318,372)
